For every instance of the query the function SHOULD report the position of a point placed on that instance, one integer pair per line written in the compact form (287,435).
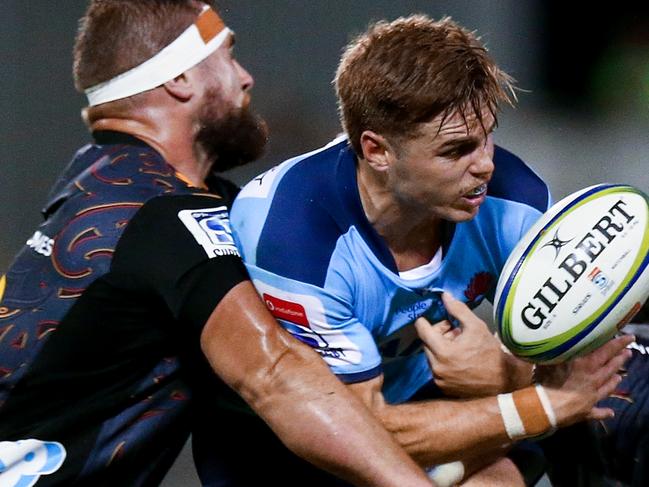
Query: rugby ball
(577,276)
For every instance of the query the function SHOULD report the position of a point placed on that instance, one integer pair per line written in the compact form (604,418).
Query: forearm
(292,389)
(441,431)
(330,427)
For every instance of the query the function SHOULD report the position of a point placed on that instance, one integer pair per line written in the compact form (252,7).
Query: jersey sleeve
(181,249)
(323,318)
(310,292)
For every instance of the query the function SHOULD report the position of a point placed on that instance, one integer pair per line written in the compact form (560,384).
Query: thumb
(432,335)
(467,320)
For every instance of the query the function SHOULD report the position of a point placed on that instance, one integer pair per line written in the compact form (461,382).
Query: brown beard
(230,140)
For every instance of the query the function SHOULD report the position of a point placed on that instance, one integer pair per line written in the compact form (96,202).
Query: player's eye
(460,150)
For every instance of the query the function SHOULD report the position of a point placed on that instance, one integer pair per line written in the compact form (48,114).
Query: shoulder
(296,179)
(289,219)
(134,172)
(202,214)
(114,177)
(175,223)
(514,181)
(105,188)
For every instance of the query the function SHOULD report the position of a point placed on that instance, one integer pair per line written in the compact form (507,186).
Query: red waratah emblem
(479,285)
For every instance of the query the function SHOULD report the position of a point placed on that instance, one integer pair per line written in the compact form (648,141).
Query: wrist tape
(527,412)
(446,474)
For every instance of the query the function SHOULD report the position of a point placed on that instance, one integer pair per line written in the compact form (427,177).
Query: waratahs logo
(23,462)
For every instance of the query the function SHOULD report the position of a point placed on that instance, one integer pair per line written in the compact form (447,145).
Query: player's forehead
(222,54)
(460,124)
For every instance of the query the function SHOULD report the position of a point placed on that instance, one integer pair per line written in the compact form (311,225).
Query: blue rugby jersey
(330,279)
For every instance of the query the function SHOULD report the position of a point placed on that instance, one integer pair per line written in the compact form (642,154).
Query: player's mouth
(477,195)
(477,192)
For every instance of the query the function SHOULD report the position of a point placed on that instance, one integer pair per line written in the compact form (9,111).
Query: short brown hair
(117,35)
(402,73)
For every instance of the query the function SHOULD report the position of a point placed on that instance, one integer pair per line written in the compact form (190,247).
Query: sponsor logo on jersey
(286,310)
(297,323)
(23,462)
(41,244)
(315,340)
(211,229)
(304,317)
(415,310)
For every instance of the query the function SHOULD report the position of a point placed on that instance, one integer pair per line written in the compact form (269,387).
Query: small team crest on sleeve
(211,229)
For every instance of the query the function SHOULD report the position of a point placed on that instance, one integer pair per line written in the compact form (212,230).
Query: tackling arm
(441,431)
(438,431)
(292,389)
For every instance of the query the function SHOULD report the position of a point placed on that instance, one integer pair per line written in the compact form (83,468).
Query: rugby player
(407,220)
(132,287)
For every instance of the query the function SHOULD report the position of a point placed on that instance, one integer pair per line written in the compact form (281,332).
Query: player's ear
(181,87)
(376,150)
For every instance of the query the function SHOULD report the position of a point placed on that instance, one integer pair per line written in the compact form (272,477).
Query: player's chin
(462,212)
(470,206)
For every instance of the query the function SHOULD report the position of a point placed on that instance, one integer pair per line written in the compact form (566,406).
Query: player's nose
(246,79)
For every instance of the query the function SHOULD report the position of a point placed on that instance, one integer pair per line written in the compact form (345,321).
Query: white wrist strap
(197,42)
(513,422)
(547,405)
(446,474)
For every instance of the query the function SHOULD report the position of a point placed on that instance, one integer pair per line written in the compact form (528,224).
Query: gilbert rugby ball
(577,276)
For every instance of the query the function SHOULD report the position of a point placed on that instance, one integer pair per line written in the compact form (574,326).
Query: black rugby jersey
(100,320)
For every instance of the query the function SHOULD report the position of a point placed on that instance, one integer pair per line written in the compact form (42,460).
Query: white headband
(197,42)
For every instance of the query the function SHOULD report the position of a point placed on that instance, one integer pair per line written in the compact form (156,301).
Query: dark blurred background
(582,119)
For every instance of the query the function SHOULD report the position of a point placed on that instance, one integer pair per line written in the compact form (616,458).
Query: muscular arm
(291,388)
(437,431)
(440,431)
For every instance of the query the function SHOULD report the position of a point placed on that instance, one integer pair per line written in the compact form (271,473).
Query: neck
(170,134)
(412,238)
